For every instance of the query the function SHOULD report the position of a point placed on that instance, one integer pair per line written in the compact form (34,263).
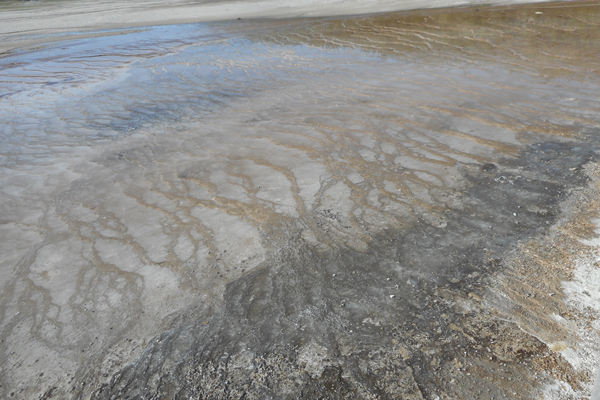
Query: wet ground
(390,206)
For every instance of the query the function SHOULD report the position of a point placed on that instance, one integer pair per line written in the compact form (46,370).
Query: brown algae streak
(333,226)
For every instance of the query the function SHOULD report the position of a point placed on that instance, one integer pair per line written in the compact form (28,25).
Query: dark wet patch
(404,318)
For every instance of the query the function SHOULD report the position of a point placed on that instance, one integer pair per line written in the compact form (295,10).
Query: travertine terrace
(385,206)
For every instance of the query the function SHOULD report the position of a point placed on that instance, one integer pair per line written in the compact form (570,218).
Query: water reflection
(143,173)
(508,36)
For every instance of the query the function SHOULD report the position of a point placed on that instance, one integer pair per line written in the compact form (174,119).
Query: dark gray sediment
(402,319)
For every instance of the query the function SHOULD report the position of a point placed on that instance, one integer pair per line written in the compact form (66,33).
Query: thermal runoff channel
(399,205)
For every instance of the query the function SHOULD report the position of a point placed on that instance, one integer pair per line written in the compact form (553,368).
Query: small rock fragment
(473,296)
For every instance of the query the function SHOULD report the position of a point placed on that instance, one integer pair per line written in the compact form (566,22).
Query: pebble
(474,296)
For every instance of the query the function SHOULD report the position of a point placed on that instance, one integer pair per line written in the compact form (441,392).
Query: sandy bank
(24,25)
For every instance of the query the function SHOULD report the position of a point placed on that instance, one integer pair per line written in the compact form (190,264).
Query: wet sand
(400,205)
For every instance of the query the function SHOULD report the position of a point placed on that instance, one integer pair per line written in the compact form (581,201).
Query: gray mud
(379,323)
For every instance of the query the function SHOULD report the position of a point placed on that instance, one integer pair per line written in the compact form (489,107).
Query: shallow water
(241,188)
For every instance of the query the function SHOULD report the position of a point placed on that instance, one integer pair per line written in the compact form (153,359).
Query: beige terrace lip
(25,25)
